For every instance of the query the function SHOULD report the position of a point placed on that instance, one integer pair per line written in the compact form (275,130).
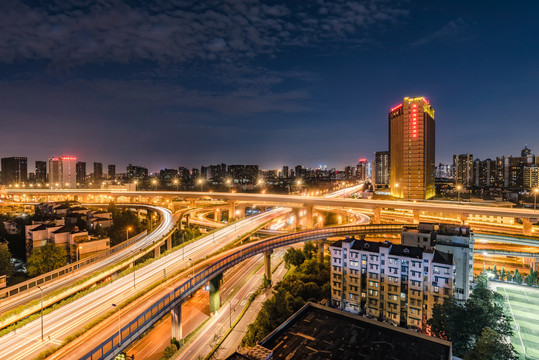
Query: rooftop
(318,332)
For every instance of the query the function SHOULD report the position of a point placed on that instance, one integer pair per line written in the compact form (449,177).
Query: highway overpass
(462,210)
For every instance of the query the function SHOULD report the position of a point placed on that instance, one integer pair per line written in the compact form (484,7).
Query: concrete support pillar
(215,293)
(376,217)
(138,214)
(232,210)
(463,218)
(192,203)
(267,265)
(169,243)
(176,323)
(309,217)
(296,218)
(416,216)
(527,225)
(339,219)
(321,251)
(217,215)
(157,251)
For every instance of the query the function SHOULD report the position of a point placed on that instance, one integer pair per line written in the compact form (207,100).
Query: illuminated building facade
(463,166)
(381,166)
(412,149)
(14,170)
(399,284)
(63,172)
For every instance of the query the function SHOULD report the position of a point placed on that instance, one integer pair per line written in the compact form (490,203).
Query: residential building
(531,177)
(98,171)
(463,167)
(381,168)
(81,173)
(456,240)
(396,283)
(14,170)
(138,173)
(362,169)
(41,171)
(412,149)
(111,172)
(62,172)
(285,173)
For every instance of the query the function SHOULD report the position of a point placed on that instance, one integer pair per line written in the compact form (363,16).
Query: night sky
(191,83)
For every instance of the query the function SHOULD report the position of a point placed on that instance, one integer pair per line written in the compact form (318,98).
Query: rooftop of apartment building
(319,332)
(395,249)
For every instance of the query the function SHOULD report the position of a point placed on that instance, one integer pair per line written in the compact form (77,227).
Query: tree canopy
(6,267)
(46,258)
(464,324)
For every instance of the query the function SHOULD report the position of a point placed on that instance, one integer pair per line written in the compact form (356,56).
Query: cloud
(79,32)
(454,31)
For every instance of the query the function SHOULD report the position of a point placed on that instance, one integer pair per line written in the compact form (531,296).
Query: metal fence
(130,332)
(54,274)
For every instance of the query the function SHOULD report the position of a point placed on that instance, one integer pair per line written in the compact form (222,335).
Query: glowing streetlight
(459,188)
(154,183)
(127,230)
(177,183)
(119,324)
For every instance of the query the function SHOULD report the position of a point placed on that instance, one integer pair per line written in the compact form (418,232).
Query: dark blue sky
(269,82)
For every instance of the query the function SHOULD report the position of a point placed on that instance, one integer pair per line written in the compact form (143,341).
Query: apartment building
(395,283)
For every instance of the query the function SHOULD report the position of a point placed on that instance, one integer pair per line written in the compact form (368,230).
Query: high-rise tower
(411,149)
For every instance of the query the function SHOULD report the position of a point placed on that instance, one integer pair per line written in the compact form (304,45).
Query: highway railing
(54,274)
(130,332)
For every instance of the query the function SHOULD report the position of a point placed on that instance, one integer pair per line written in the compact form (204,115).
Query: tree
(495,271)
(531,278)
(6,267)
(517,277)
(491,346)
(170,351)
(509,276)
(309,249)
(46,258)
(503,274)
(293,257)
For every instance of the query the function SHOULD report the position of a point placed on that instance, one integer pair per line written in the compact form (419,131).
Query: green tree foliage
(309,282)
(531,278)
(517,277)
(491,346)
(330,219)
(503,274)
(293,257)
(309,250)
(6,267)
(170,351)
(464,323)
(121,220)
(46,258)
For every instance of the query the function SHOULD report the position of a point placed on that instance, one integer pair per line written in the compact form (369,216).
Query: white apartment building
(396,283)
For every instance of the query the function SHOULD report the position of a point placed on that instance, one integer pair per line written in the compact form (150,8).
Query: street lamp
(192,263)
(535,191)
(459,188)
(119,324)
(40,289)
(127,230)
(154,182)
(201,183)
(176,182)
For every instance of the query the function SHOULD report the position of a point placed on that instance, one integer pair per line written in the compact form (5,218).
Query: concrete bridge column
(176,323)
(215,293)
(376,217)
(309,217)
(157,251)
(217,215)
(296,218)
(321,251)
(527,225)
(192,203)
(232,210)
(169,242)
(267,265)
(138,214)
(416,216)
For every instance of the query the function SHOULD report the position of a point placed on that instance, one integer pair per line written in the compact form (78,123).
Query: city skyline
(185,95)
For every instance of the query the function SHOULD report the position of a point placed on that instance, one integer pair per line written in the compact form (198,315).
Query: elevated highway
(59,324)
(463,210)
